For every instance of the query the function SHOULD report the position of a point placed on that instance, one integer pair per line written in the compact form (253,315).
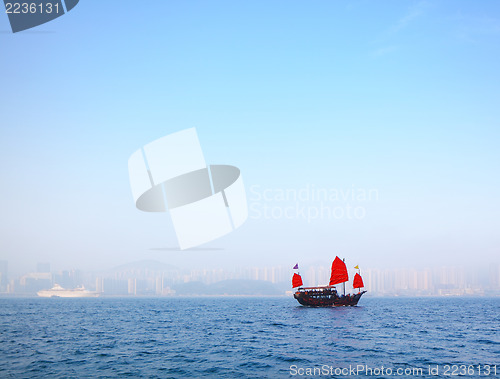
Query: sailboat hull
(325,297)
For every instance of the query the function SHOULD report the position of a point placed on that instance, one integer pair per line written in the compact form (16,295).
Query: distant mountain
(230,287)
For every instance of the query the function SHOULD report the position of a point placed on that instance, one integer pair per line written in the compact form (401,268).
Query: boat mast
(343,260)
(359,272)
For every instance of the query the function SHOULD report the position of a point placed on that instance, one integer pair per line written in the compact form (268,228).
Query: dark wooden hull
(326,298)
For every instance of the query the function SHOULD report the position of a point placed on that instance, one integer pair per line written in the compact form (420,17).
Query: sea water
(240,337)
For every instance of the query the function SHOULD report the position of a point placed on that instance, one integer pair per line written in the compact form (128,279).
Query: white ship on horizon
(58,291)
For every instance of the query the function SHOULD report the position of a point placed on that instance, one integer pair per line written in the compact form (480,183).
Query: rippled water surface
(240,337)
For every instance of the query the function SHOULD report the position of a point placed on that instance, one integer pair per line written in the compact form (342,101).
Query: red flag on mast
(339,272)
(357,282)
(296,280)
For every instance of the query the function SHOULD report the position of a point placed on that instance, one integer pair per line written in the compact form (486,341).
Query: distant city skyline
(150,278)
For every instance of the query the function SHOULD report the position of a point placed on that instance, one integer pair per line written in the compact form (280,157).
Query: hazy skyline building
(4,278)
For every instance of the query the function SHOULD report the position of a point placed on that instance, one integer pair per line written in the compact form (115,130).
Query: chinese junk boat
(327,296)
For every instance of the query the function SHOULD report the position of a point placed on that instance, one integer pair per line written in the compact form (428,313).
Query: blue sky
(399,96)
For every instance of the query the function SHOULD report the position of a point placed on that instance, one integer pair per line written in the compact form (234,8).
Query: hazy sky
(397,97)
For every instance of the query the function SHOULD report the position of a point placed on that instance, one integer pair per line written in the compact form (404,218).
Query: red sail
(339,272)
(357,282)
(296,281)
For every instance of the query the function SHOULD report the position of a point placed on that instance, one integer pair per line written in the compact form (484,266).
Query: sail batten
(296,280)
(339,272)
